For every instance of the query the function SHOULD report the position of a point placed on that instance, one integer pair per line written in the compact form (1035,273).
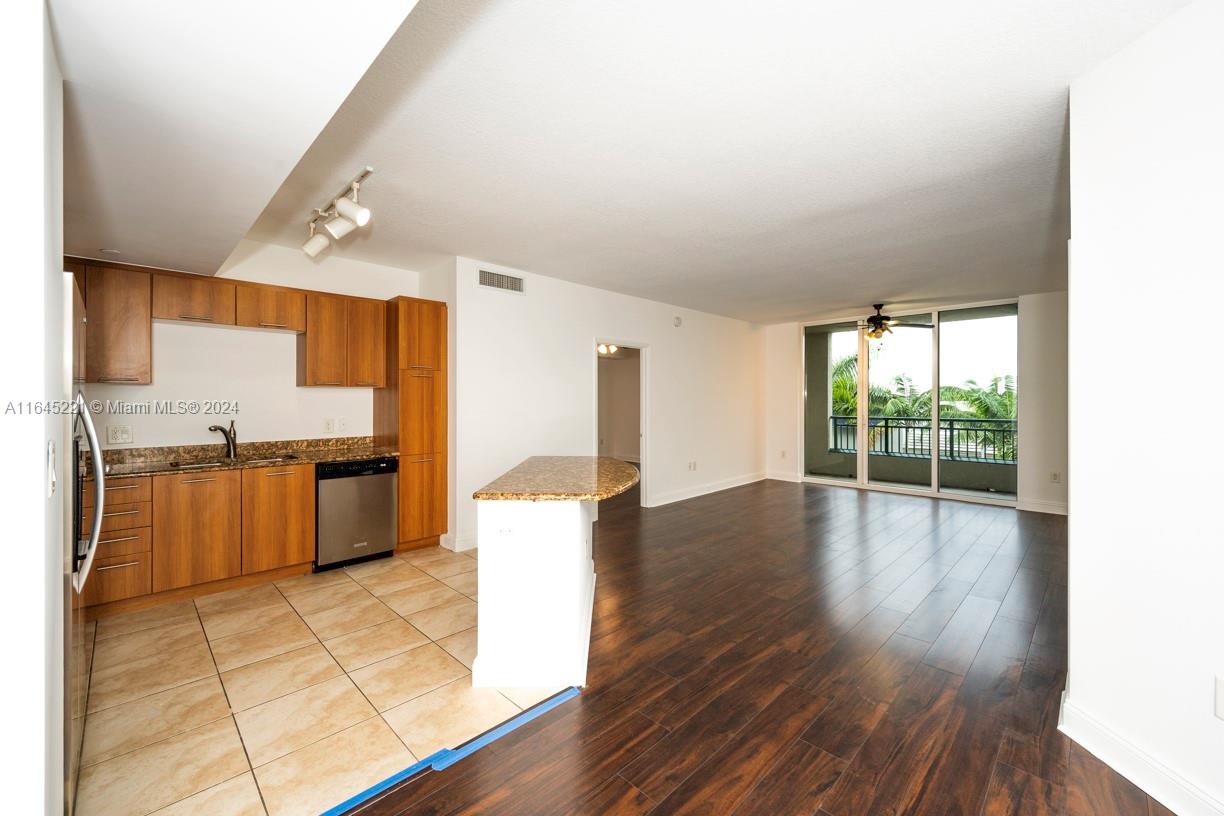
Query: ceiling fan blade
(914,325)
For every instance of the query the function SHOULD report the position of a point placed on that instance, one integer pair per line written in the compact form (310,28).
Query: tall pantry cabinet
(410,414)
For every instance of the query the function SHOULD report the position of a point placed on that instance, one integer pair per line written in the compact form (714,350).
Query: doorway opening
(619,394)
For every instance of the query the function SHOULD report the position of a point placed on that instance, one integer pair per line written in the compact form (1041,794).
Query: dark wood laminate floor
(789,649)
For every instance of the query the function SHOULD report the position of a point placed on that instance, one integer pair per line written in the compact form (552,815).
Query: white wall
(1146,551)
(620,406)
(1042,405)
(526,374)
(783,452)
(255,368)
(32,326)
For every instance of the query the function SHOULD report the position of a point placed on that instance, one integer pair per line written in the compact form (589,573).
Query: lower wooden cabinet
(117,577)
(422,496)
(197,528)
(278,517)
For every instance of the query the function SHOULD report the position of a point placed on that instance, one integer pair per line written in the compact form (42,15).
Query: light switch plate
(1219,706)
(118,434)
(329,425)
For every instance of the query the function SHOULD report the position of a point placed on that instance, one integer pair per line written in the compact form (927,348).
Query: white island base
(536,584)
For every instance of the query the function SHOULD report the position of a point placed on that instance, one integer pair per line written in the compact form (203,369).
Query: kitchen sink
(190,465)
(269,460)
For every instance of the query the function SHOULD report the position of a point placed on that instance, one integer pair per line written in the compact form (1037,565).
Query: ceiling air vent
(496,280)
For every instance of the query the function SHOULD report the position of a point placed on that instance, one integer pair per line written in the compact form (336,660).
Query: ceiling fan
(878,323)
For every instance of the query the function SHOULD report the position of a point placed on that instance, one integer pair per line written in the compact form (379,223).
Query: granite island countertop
(561,478)
(205,458)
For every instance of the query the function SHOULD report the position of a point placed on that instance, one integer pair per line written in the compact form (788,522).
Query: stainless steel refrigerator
(80,544)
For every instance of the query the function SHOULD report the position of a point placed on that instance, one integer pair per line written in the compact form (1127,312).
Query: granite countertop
(562,478)
(149,461)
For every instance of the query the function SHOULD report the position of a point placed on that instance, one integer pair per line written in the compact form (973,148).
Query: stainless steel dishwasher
(356,504)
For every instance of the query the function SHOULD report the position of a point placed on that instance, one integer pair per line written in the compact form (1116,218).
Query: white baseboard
(784,476)
(637,460)
(701,490)
(1041,506)
(1157,780)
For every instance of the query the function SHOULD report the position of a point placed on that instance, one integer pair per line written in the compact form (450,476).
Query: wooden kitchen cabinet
(422,496)
(367,344)
(194,298)
(278,517)
(197,528)
(119,331)
(323,348)
(422,419)
(117,577)
(422,334)
(271,307)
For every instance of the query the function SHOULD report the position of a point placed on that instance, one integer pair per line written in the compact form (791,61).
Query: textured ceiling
(766,160)
(182,119)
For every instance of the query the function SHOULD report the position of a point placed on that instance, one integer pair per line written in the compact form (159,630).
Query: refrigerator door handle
(95,451)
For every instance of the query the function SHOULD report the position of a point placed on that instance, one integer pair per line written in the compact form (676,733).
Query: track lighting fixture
(342,215)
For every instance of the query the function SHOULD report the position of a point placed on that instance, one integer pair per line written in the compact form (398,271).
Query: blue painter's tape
(441,760)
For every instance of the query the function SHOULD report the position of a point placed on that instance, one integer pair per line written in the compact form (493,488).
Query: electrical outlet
(783,454)
(118,434)
(329,425)
(341,424)
(1055,477)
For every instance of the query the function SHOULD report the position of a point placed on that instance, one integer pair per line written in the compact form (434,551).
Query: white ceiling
(182,119)
(767,160)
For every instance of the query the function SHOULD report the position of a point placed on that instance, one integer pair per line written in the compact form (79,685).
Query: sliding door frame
(863,476)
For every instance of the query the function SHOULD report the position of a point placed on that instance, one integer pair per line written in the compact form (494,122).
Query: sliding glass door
(831,385)
(870,413)
(977,400)
(899,401)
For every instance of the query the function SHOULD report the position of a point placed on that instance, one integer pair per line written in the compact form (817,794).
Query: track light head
(316,243)
(350,209)
(338,227)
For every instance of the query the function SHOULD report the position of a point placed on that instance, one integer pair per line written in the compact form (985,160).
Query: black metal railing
(961,439)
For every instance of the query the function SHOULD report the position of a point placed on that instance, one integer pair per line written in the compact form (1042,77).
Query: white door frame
(644,455)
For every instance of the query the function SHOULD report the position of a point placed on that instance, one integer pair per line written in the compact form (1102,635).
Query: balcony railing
(960,439)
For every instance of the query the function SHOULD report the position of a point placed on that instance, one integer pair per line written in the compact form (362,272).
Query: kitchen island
(535,572)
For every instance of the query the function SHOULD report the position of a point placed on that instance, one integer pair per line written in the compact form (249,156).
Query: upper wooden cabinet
(197,528)
(421,333)
(323,349)
(367,343)
(196,298)
(344,343)
(278,517)
(119,328)
(271,307)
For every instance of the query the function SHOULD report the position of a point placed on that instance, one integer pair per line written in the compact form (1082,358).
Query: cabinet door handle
(123,487)
(280,473)
(118,379)
(198,481)
(329,383)
(423,376)
(121,513)
(364,382)
(117,540)
(118,566)
(420,461)
(274,325)
(420,366)
(196,317)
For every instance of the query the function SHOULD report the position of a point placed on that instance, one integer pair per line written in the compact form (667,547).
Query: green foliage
(968,401)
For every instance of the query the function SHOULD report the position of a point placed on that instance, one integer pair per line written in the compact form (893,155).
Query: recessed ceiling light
(109,251)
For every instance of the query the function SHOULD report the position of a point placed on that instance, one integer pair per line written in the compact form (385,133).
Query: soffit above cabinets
(181,120)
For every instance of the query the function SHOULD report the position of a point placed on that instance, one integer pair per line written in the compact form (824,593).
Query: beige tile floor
(286,698)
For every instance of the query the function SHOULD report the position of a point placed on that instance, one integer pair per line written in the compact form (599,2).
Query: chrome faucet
(231,439)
